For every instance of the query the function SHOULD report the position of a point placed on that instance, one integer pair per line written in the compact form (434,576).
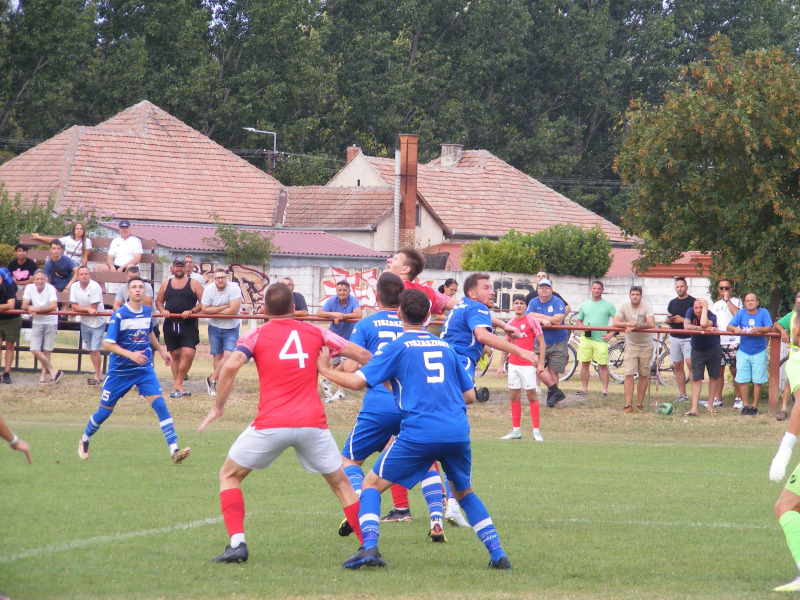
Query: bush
(512,253)
(6,254)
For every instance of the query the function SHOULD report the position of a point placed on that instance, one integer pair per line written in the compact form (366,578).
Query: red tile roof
(144,164)
(323,207)
(312,243)
(622,265)
(483,195)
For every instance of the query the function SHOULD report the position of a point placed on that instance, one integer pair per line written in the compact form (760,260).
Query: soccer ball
(482,394)
(665,408)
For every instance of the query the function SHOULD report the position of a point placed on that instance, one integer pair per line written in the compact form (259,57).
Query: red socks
(399,496)
(351,514)
(232,503)
(534,414)
(516,413)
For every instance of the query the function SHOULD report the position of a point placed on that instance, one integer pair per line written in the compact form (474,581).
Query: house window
(418,216)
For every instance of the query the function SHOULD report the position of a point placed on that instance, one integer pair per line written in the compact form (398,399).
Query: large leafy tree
(715,169)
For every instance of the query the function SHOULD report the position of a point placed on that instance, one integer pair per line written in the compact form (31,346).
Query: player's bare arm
(324,367)
(510,330)
(487,338)
(356,353)
(469,396)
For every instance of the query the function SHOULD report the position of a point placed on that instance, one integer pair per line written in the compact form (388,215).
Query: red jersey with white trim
(438,300)
(285,352)
(530,329)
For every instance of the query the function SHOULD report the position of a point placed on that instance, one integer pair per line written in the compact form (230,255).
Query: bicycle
(660,365)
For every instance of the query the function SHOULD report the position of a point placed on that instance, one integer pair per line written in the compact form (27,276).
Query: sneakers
(211,387)
(365,557)
(554,398)
(437,534)
(178,457)
(682,398)
(751,411)
(628,409)
(232,555)
(738,404)
(6,377)
(537,437)
(501,563)
(339,395)
(792,586)
(326,387)
(452,514)
(397,514)
(717,402)
(83,449)
(344,528)
(514,435)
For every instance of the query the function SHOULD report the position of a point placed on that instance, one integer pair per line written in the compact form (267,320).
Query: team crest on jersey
(139,335)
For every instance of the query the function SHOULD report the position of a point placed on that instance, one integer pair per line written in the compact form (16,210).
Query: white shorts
(680,349)
(520,376)
(315,448)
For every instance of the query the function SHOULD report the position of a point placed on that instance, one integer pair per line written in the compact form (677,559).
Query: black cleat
(344,528)
(501,563)
(365,558)
(397,514)
(232,555)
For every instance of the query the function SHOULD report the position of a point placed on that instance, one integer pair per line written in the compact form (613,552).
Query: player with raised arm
(129,338)
(290,412)
(431,388)
(787,508)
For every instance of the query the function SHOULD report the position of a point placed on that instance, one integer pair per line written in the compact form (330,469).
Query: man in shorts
(86,297)
(550,310)
(522,373)
(10,324)
(633,315)
(680,347)
(706,353)
(432,388)
(725,307)
(595,312)
(290,412)
(221,297)
(751,359)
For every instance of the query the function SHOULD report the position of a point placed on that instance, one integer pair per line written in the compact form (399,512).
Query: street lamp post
(271,162)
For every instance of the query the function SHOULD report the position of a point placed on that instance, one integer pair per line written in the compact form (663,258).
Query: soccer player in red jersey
(290,412)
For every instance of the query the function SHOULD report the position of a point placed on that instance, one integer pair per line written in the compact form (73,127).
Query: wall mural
(252,281)
(362,285)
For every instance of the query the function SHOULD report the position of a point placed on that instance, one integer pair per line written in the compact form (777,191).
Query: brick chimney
(352,152)
(408,189)
(451,154)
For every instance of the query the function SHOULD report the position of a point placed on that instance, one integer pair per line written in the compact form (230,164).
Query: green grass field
(609,506)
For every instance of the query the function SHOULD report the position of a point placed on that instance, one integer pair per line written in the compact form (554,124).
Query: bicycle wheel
(615,362)
(572,362)
(484,362)
(665,370)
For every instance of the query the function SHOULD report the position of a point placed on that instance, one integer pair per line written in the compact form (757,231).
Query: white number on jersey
(391,335)
(293,339)
(434,367)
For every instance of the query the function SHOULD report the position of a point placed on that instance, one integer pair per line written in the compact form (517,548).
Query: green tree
(715,169)
(240,246)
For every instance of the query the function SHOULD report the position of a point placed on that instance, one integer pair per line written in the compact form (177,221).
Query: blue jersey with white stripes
(428,381)
(459,328)
(131,331)
(373,333)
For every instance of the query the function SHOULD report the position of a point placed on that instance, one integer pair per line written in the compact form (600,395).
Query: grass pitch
(609,506)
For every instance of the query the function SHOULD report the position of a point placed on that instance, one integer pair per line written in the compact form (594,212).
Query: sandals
(712,412)
(187,393)
(640,408)
(93,381)
(689,413)
(581,393)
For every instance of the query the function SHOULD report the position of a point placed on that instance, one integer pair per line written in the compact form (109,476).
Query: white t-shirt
(93,293)
(73,248)
(124,250)
(213,297)
(42,300)
(724,316)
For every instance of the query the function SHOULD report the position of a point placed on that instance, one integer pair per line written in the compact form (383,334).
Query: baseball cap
(179,261)
(125,223)
(546,282)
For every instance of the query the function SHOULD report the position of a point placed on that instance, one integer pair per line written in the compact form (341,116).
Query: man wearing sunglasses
(727,306)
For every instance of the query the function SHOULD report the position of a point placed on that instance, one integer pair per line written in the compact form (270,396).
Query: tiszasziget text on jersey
(373,333)
(285,352)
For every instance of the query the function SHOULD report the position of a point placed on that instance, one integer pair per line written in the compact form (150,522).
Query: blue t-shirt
(701,342)
(751,345)
(131,331)
(60,273)
(554,306)
(373,333)
(344,328)
(428,381)
(459,327)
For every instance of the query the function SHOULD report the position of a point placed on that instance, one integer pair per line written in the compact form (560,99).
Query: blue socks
(481,522)
(369,516)
(165,420)
(432,491)
(97,419)
(356,477)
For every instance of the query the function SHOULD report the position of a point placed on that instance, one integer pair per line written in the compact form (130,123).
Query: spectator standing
(124,251)
(189,260)
(300,306)
(343,305)
(724,308)
(122,293)
(221,297)
(595,312)
(86,297)
(10,324)
(22,268)
(784,326)
(633,315)
(542,274)
(60,270)
(706,353)
(180,295)
(77,244)
(680,348)
(751,358)
(550,311)
(40,300)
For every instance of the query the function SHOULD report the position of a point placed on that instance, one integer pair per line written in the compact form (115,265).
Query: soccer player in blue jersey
(129,338)
(379,418)
(431,389)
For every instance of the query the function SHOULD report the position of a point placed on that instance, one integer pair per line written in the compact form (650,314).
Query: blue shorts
(406,462)
(751,367)
(371,433)
(116,386)
(92,336)
(222,340)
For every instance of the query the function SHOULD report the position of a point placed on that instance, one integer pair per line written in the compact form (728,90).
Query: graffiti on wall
(252,281)
(362,285)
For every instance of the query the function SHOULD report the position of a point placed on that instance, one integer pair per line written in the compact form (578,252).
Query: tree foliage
(560,249)
(240,246)
(715,169)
